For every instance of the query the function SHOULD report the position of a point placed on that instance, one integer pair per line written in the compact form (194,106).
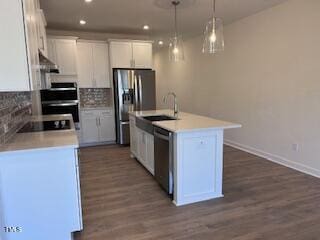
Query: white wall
(267,79)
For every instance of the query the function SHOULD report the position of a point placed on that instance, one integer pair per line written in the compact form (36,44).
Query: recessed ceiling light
(146,27)
(88,1)
(82,22)
(160,42)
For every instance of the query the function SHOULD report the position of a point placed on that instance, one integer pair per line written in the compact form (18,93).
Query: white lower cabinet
(142,146)
(106,126)
(97,126)
(89,127)
(133,137)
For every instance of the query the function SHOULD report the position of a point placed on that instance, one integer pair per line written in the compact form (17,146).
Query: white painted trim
(129,40)
(80,40)
(197,198)
(274,158)
(62,37)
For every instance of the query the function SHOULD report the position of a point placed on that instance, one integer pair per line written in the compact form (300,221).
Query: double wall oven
(61,98)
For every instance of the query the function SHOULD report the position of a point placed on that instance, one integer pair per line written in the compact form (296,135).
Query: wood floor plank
(262,200)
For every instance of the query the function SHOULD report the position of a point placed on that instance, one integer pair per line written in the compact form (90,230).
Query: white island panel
(40,194)
(198,165)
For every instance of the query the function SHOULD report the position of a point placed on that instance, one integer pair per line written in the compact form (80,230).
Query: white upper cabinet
(42,35)
(31,16)
(62,51)
(101,65)
(51,49)
(19,59)
(131,54)
(121,54)
(93,64)
(142,54)
(84,62)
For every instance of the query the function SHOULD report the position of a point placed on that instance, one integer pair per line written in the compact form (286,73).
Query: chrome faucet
(175,107)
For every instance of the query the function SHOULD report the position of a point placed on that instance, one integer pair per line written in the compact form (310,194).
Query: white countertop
(43,140)
(186,121)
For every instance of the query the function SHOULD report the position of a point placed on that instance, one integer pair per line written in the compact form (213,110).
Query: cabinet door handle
(132,63)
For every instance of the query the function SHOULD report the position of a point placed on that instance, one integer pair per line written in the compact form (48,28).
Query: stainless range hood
(46,65)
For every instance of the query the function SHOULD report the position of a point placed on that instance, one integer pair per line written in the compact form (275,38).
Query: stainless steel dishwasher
(163,158)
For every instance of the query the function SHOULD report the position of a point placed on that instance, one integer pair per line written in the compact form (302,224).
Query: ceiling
(128,16)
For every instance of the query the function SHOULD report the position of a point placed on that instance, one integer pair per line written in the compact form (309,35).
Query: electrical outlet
(295,147)
(6,128)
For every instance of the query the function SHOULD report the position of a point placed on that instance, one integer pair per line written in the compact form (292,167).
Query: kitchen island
(196,152)
(39,183)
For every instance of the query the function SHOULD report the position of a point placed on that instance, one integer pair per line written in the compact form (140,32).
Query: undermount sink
(145,123)
(159,118)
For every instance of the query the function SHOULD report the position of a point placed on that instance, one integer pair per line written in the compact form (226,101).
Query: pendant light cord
(175,20)
(175,4)
(214,8)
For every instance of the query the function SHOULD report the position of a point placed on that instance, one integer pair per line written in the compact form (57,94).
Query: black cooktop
(45,126)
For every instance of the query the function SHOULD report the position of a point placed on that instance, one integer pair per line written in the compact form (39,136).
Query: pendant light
(213,34)
(176,52)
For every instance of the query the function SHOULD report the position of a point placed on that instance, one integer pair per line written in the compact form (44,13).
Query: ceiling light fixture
(160,42)
(88,1)
(213,34)
(176,52)
(146,27)
(82,22)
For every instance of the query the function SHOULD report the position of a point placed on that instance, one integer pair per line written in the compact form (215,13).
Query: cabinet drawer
(93,112)
(106,112)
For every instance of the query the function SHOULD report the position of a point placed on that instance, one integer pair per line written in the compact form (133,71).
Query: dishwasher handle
(166,137)
(163,137)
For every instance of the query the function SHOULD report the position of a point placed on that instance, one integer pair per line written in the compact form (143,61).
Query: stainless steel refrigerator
(134,90)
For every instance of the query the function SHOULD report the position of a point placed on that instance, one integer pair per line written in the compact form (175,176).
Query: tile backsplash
(15,110)
(95,97)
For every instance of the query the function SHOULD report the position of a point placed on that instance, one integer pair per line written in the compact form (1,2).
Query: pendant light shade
(213,34)
(176,52)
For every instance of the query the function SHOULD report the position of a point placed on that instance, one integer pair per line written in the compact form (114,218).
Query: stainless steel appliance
(163,158)
(46,65)
(134,91)
(61,98)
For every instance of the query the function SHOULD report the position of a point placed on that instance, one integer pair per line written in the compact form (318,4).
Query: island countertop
(43,140)
(185,121)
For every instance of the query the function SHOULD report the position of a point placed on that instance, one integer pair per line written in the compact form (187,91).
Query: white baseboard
(97,144)
(274,158)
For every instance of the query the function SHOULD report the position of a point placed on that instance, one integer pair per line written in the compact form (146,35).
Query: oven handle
(60,104)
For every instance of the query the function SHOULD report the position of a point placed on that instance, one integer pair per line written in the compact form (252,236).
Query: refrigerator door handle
(140,92)
(135,89)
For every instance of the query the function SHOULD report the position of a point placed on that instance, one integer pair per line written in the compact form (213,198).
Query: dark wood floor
(262,201)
